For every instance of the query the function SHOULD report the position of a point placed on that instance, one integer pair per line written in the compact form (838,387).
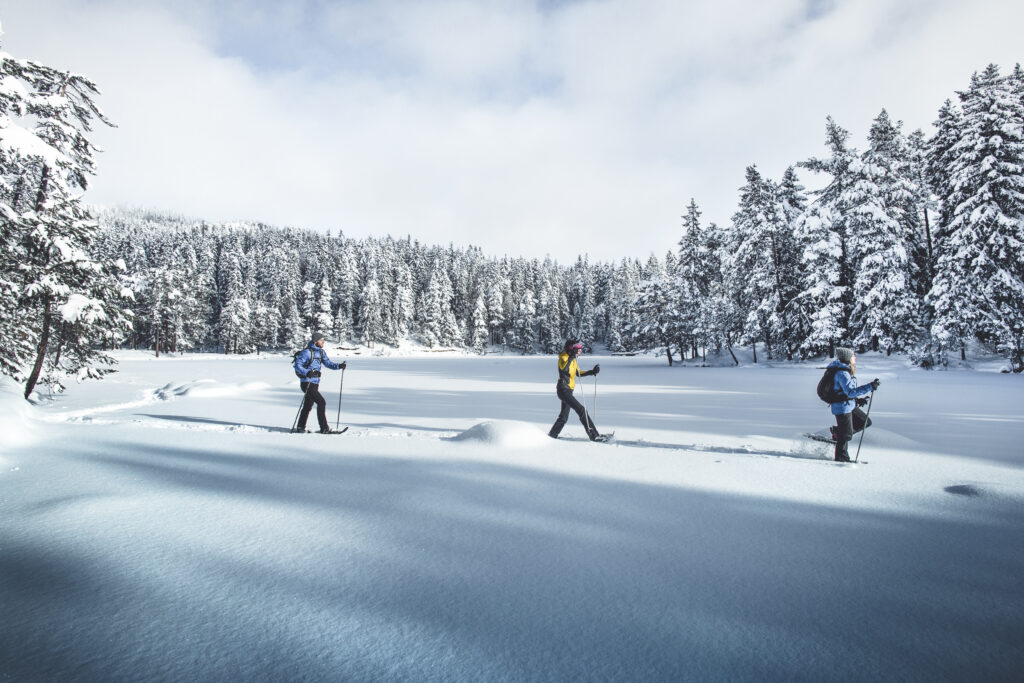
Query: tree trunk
(17,193)
(44,185)
(728,345)
(928,241)
(60,348)
(754,346)
(668,352)
(44,340)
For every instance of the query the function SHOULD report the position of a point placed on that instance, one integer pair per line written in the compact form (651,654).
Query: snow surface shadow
(423,403)
(213,422)
(966,490)
(386,568)
(396,425)
(703,448)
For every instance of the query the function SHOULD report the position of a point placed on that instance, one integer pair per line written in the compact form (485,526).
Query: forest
(914,244)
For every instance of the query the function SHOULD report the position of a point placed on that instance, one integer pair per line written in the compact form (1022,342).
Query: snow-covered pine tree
(979,279)
(690,286)
(832,216)
(323,317)
(549,315)
(403,305)
(479,335)
(371,309)
(881,219)
(60,302)
(348,292)
(581,300)
(721,323)
(235,321)
(922,248)
(760,264)
(525,326)
(820,301)
(434,302)
(653,311)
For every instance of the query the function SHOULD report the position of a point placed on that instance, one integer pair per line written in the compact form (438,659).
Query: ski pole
(866,416)
(299,411)
(340,388)
(595,395)
(586,412)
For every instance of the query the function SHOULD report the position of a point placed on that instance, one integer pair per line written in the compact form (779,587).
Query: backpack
(827,387)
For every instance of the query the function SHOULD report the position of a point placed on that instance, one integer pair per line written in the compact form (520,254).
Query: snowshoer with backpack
(568,370)
(308,363)
(845,396)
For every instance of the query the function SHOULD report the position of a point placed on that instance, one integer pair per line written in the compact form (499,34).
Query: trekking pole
(342,386)
(586,412)
(866,416)
(299,411)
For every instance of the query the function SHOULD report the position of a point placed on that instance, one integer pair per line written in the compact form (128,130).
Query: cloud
(523,128)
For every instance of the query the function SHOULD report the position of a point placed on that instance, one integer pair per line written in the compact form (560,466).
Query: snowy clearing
(164,525)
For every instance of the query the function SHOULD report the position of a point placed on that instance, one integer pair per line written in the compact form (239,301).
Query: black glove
(874,384)
(862,401)
(597,369)
(343,365)
(309,373)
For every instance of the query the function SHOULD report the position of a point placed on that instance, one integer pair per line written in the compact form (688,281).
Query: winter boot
(842,455)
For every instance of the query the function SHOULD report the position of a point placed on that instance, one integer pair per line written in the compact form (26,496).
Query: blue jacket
(310,359)
(845,383)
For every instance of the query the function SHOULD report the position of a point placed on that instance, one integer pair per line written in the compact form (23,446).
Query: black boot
(842,455)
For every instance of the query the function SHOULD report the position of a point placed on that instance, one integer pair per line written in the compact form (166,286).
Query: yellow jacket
(568,370)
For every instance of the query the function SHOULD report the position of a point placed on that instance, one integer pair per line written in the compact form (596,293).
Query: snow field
(162,524)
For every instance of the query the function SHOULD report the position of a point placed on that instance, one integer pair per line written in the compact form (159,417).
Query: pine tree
(979,281)
(370,310)
(691,288)
(479,337)
(652,324)
(821,297)
(881,216)
(833,216)
(760,264)
(235,320)
(60,303)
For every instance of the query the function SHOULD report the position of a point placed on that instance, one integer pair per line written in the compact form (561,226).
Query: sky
(525,128)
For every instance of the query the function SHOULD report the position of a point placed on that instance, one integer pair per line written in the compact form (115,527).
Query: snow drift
(504,434)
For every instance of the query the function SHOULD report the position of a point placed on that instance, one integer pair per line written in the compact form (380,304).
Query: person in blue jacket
(307,365)
(850,419)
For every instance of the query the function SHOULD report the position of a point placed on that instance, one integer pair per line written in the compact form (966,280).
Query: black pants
(569,401)
(846,426)
(312,392)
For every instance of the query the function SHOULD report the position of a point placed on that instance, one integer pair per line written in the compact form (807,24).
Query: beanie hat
(316,337)
(844,355)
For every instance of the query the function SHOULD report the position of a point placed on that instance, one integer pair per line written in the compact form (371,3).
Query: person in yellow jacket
(567,372)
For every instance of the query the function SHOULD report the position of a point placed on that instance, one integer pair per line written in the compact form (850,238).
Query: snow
(164,525)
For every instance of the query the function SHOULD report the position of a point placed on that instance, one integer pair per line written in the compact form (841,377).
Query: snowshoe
(820,437)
